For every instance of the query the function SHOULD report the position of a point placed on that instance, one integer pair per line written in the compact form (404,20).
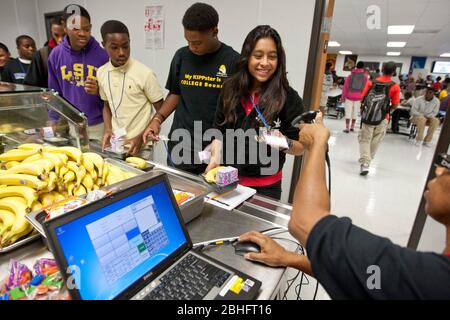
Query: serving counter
(258,213)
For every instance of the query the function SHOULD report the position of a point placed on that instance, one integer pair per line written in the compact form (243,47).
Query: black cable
(317,289)
(290,285)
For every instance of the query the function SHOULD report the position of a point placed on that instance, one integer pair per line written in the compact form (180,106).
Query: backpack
(377,103)
(357,82)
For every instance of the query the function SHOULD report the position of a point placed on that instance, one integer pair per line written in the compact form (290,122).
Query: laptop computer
(135,245)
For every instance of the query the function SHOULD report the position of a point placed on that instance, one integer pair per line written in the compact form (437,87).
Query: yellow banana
(87,182)
(88,164)
(57,161)
(29,194)
(20,225)
(69,177)
(80,191)
(71,152)
(10,164)
(97,160)
(27,168)
(105,173)
(63,171)
(95,187)
(19,235)
(33,158)
(36,206)
(7,218)
(52,180)
(137,162)
(63,157)
(31,146)
(23,180)
(17,155)
(94,174)
(45,163)
(46,199)
(79,171)
(70,188)
(57,196)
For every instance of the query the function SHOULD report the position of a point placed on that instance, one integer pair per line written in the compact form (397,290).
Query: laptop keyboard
(191,279)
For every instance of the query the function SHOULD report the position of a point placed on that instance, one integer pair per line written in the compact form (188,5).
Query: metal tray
(20,243)
(194,207)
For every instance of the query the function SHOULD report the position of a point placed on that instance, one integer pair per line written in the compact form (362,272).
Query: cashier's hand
(272,254)
(134,144)
(91,86)
(152,131)
(314,134)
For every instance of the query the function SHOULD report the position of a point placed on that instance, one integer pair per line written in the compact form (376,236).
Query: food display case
(24,118)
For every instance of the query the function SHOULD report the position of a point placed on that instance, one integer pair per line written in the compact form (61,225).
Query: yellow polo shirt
(131,90)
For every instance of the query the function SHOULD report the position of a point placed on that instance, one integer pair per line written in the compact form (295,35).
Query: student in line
(38,73)
(196,77)
(72,69)
(256,97)
(16,70)
(129,89)
(5,56)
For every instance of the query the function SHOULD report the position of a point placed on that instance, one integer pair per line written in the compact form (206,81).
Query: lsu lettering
(76,76)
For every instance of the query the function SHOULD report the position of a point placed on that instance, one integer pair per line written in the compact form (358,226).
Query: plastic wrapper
(19,274)
(46,284)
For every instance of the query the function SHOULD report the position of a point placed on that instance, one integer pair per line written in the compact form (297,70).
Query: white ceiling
(431,36)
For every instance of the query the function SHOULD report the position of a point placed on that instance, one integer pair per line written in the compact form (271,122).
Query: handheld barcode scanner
(443,160)
(309,117)
(306,117)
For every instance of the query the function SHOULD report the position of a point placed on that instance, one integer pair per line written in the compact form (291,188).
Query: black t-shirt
(15,71)
(198,81)
(343,255)
(38,73)
(292,108)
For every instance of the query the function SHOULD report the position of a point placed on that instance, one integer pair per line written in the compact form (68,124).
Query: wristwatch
(290,143)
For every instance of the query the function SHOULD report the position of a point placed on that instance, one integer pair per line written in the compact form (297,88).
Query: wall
(18,17)
(405,60)
(237,18)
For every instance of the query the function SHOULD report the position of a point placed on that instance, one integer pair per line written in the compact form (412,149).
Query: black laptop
(134,245)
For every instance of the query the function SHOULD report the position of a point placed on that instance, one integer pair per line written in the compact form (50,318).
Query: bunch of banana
(33,177)
(210,176)
(137,162)
(20,226)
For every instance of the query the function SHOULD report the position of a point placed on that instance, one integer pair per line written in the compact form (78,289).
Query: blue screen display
(109,249)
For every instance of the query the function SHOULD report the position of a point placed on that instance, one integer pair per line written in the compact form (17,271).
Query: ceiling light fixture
(407,29)
(345,52)
(393,53)
(396,44)
(334,44)
(445,55)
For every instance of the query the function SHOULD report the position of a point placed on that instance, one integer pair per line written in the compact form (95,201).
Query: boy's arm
(158,104)
(107,119)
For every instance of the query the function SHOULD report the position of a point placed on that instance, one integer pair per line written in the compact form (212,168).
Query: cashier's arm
(311,199)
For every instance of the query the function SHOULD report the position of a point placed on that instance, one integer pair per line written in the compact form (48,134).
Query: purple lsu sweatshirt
(67,71)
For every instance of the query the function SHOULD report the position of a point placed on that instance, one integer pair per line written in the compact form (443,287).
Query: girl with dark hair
(258,98)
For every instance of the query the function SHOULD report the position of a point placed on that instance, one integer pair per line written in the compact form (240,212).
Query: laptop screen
(112,247)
